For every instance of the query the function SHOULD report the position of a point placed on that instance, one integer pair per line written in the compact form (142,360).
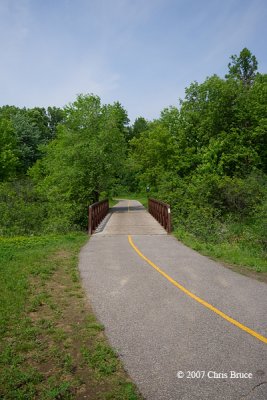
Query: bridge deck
(130,218)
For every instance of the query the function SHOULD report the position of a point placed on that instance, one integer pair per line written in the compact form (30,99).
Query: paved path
(159,330)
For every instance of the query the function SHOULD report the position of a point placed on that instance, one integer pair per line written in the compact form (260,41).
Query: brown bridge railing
(161,212)
(97,213)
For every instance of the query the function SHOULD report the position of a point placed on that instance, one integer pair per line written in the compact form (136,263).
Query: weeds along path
(184,326)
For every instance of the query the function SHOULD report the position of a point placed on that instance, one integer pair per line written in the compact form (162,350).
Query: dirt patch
(60,255)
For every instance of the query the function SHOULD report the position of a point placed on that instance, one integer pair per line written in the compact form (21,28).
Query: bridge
(184,326)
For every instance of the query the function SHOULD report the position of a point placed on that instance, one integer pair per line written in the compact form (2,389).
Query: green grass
(51,345)
(242,253)
(112,202)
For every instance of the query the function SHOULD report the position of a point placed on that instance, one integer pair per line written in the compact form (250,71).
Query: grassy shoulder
(241,256)
(52,346)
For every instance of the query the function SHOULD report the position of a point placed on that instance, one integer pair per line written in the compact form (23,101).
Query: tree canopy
(84,161)
(207,156)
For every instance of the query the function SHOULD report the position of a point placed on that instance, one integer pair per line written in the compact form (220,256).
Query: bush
(21,209)
(204,224)
(240,197)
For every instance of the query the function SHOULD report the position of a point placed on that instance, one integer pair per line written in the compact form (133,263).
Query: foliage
(208,158)
(243,67)
(140,124)
(8,144)
(22,133)
(22,210)
(84,160)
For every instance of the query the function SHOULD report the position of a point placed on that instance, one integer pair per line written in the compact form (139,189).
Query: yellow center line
(196,298)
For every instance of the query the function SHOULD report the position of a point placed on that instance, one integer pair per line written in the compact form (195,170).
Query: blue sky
(142,53)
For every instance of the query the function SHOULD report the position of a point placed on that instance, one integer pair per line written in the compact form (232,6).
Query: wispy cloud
(140,53)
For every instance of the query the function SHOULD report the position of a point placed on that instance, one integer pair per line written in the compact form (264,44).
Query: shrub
(21,209)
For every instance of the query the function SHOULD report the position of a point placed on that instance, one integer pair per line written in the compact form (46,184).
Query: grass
(51,345)
(243,256)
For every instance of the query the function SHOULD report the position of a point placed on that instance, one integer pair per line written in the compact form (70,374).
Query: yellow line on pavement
(196,298)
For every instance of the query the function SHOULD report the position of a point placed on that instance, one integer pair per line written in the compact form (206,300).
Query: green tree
(84,161)
(212,150)
(22,133)
(55,117)
(151,154)
(9,159)
(8,150)
(140,125)
(243,67)
(28,136)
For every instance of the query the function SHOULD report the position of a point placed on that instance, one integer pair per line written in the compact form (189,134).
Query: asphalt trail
(160,331)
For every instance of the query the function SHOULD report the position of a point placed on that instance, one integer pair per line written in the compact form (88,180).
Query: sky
(142,53)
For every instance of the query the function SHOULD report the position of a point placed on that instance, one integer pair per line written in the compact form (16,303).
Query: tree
(28,137)
(206,155)
(22,133)
(140,125)
(243,67)
(8,150)
(38,118)
(83,161)
(151,154)
(55,116)
(9,158)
